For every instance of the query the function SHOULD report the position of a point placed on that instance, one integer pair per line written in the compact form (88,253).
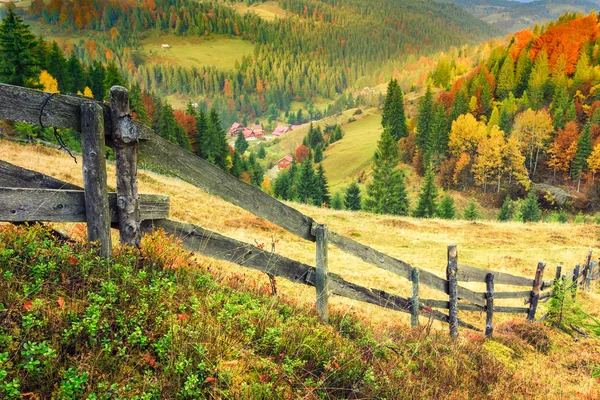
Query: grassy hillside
(211,330)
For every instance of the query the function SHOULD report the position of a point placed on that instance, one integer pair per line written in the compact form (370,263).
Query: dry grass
(510,247)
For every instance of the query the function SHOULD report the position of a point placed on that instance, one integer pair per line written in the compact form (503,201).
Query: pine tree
(471,212)
(352,197)
(337,202)
(241,144)
(97,74)
(426,204)
(523,71)
(438,140)
(307,183)
(460,106)
(530,210)
(262,153)
(136,105)
(18,64)
(505,212)
(112,77)
(505,122)
(322,195)
(318,157)
(584,149)
(446,209)
(506,79)
(538,80)
(215,143)
(201,137)
(387,193)
(236,165)
(170,129)
(424,121)
(394,117)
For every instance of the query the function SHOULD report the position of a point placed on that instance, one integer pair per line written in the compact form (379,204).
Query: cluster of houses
(256,132)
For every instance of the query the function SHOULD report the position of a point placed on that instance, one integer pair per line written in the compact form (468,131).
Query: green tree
(387,193)
(523,71)
(424,121)
(505,213)
(201,128)
(307,187)
(322,195)
(394,117)
(262,153)
(460,106)
(170,129)
(584,149)
(214,142)
(241,144)
(111,78)
(471,212)
(426,204)
(538,80)
(506,79)
(337,202)
(352,197)
(530,210)
(18,64)
(438,139)
(446,208)
(318,157)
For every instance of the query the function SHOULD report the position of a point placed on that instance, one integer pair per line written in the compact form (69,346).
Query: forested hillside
(319,51)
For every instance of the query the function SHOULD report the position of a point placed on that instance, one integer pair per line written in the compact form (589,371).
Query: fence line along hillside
(28,196)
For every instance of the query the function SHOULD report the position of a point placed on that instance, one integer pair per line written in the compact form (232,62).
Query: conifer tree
(241,144)
(446,209)
(307,183)
(460,106)
(530,210)
(505,212)
(394,117)
(214,142)
(261,153)
(18,64)
(170,129)
(201,138)
(352,197)
(424,121)
(471,212)
(438,140)
(236,165)
(337,202)
(97,74)
(318,157)
(281,185)
(426,204)
(322,194)
(387,193)
(523,71)
(538,80)
(506,79)
(505,122)
(584,149)
(112,77)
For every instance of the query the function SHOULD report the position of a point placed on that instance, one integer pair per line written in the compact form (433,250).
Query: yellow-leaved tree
(266,185)
(465,135)
(489,162)
(50,84)
(594,161)
(532,130)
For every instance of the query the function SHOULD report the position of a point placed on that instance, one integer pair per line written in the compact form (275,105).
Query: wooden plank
(451,272)
(535,291)
(512,295)
(472,274)
(322,279)
(400,268)
(489,305)
(214,245)
(124,136)
(414,311)
(94,177)
(51,205)
(18,177)
(443,304)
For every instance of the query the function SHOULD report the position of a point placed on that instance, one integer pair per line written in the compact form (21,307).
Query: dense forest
(322,49)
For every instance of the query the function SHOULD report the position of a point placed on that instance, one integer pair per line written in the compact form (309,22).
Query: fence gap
(489,305)
(535,291)
(414,304)
(451,276)
(97,212)
(124,135)
(322,277)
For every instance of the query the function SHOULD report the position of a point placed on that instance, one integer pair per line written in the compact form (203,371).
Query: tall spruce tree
(216,142)
(394,116)
(241,144)
(446,208)
(387,193)
(460,106)
(424,121)
(438,140)
(352,197)
(337,202)
(307,188)
(322,196)
(584,149)
(112,77)
(426,204)
(18,64)
(201,129)
(506,79)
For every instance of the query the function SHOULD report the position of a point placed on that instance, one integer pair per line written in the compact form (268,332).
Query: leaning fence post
(489,304)
(451,276)
(535,291)
(322,278)
(124,136)
(414,304)
(97,212)
(575,278)
(588,272)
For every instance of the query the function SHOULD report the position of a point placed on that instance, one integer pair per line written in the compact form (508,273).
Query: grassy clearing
(269,10)
(188,51)
(510,247)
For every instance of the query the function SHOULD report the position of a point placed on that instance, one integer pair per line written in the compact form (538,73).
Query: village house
(284,162)
(281,130)
(235,129)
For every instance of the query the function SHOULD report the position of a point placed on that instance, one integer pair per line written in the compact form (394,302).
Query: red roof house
(235,128)
(281,130)
(284,162)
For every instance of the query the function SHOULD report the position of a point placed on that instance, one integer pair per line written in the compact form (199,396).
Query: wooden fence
(27,196)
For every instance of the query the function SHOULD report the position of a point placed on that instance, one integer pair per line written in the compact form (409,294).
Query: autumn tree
(538,80)
(489,162)
(48,82)
(563,149)
(302,153)
(532,130)
(593,161)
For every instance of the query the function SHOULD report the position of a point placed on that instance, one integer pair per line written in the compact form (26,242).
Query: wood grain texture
(451,272)
(94,177)
(13,176)
(414,310)
(467,273)
(489,305)
(322,272)
(535,291)
(52,205)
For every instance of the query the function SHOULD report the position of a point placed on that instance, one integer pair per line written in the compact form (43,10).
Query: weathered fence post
(322,278)
(97,212)
(535,291)
(588,272)
(451,276)
(414,304)
(575,278)
(558,272)
(489,304)
(125,138)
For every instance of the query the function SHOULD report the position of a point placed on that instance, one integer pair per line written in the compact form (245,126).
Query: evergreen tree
(426,204)
(170,129)
(262,153)
(506,79)
(96,75)
(281,186)
(337,202)
(530,210)
(460,106)
(236,165)
(352,197)
(471,212)
(584,149)
(241,144)
(112,77)
(135,103)
(307,187)
(505,212)
(215,143)
(538,80)
(524,66)
(201,138)
(76,75)
(18,64)
(424,121)
(318,157)
(446,209)
(56,65)
(387,193)
(438,141)
(322,196)
(505,122)
(394,117)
